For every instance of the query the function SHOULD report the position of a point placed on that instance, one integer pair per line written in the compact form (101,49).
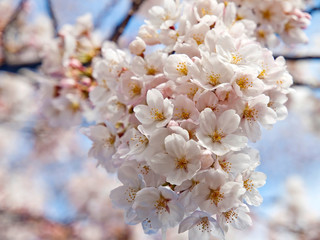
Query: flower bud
(137,46)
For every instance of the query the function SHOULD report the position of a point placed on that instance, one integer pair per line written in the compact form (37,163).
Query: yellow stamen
(215,196)
(182,68)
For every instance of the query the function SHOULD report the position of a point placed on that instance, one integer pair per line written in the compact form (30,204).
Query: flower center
(248,185)
(214,79)
(156,114)
(266,14)
(134,89)
(161,205)
(262,74)
(182,163)
(244,83)
(110,141)
(151,70)
(215,196)
(131,194)
(226,166)
(230,216)
(183,114)
(182,68)
(236,59)
(198,38)
(74,107)
(204,225)
(217,136)
(250,113)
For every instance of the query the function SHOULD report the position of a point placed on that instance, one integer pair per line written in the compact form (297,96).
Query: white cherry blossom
(158,207)
(180,162)
(105,141)
(218,134)
(157,113)
(201,225)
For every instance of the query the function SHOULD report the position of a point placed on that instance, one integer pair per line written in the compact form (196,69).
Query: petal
(235,142)
(229,121)
(162,163)
(142,113)
(175,145)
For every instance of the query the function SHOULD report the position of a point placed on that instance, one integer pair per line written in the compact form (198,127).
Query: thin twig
(13,18)
(52,16)
(302,84)
(314,9)
(16,68)
(298,58)
(106,10)
(121,27)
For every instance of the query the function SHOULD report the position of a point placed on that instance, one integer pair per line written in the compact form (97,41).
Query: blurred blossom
(22,39)
(295,218)
(306,105)
(17,101)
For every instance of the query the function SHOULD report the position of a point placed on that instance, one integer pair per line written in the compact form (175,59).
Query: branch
(52,16)
(16,68)
(302,84)
(121,27)
(104,13)
(314,9)
(298,58)
(13,18)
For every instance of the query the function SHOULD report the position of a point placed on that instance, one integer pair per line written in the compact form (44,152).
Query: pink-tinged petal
(209,207)
(155,99)
(228,121)
(128,175)
(235,142)
(253,197)
(232,192)
(219,148)
(208,121)
(197,233)
(168,109)
(240,162)
(174,217)
(252,130)
(175,145)
(162,163)
(215,178)
(188,223)
(243,220)
(192,151)
(145,200)
(178,176)
(258,178)
(143,114)
(267,116)
(123,196)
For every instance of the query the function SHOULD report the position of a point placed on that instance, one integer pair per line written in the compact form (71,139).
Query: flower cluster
(22,39)
(175,122)
(67,68)
(275,17)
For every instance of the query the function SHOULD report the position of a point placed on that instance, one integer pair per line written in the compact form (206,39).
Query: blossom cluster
(275,17)
(67,74)
(175,117)
(22,39)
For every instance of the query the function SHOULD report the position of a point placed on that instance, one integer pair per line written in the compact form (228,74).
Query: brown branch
(52,16)
(302,84)
(314,9)
(121,27)
(13,18)
(104,13)
(298,58)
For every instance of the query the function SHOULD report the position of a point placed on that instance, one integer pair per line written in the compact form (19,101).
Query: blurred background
(49,189)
